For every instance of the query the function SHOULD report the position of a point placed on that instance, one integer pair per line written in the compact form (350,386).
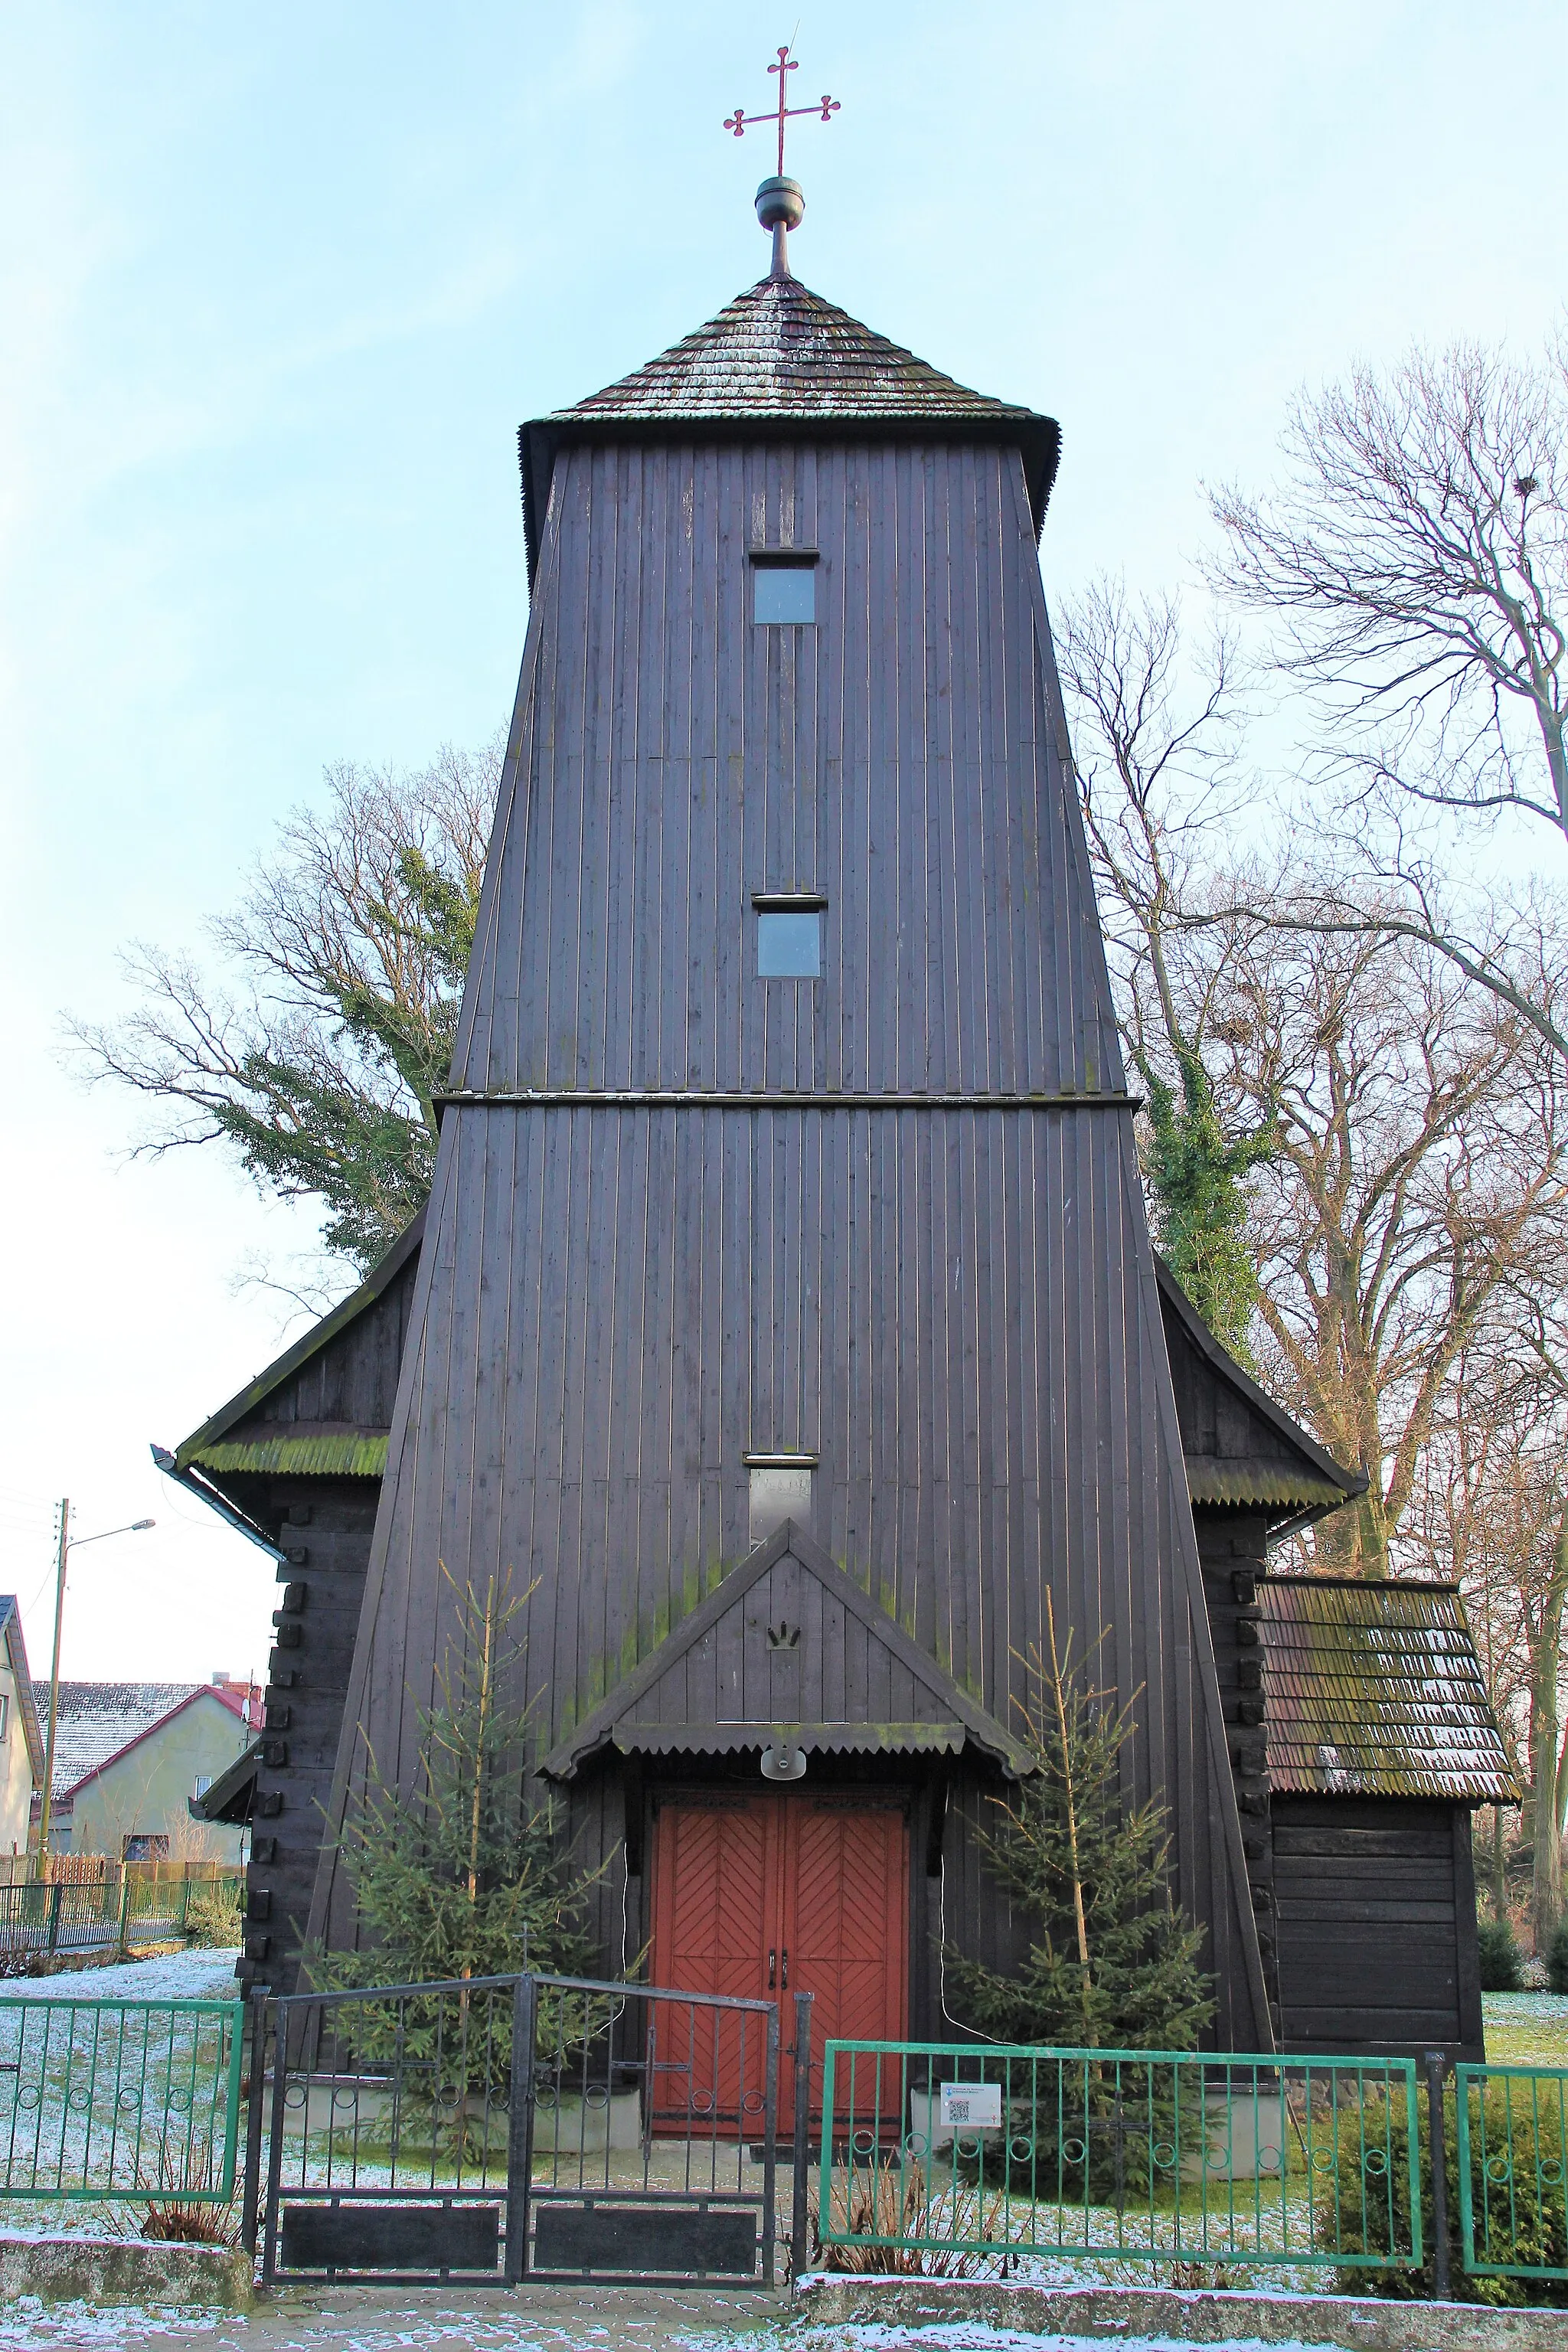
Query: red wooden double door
(767,1894)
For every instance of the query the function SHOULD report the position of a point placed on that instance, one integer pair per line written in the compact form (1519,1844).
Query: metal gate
(485,2130)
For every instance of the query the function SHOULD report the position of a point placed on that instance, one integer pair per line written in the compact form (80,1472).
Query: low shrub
(1557,1959)
(184,2221)
(1502,1960)
(876,2201)
(1528,2219)
(213,1915)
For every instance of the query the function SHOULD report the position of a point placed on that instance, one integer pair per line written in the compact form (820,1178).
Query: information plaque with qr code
(972,2106)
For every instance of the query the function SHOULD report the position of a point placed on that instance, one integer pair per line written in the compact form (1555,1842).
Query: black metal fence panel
(388,2121)
(481,2130)
(653,2135)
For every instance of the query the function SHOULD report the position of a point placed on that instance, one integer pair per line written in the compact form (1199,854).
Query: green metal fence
(98,1914)
(119,2098)
(1513,2144)
(992,2157)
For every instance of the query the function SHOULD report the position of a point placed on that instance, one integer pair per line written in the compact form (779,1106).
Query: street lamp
(69,1543)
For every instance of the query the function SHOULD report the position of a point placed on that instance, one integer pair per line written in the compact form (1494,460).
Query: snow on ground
(964,2336)
(203,1973)
(1544,2008)
(595,2320)
(47,2137)
(1526,2029)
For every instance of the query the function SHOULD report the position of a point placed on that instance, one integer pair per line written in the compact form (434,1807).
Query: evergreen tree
(317,1052)
(465,1877)
(1499,1957)
(1198,1180)
(1112,1963)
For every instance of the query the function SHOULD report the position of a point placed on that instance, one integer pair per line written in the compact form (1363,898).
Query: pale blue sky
(276,288)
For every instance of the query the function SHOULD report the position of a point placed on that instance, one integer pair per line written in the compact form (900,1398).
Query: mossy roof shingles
(782,359)
(1266,1484)
(346,1453)
(779,350)
(1375,1689)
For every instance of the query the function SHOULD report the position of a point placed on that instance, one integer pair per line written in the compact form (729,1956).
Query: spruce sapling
(464,1877)
(1112,1963)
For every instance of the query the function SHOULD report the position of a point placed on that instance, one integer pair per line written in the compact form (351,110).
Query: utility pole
(55,1679)
(68,1545)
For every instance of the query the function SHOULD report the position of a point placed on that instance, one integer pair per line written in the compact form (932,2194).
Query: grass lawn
(1526,2029)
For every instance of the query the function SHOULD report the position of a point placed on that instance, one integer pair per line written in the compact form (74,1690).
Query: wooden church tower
(786,1313)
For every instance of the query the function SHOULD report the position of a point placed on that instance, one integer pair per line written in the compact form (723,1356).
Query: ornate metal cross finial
(740,121)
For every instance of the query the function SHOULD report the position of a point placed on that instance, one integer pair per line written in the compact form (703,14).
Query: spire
(779,204)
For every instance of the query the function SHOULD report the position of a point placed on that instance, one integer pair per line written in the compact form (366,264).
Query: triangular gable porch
(787,1646)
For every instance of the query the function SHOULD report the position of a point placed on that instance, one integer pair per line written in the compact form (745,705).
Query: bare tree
(1413,562)
(1393,1140)
(351,945)
(1449,1535)
(1417,557)
(1158,784)
(1491,1510)
(1421,1171)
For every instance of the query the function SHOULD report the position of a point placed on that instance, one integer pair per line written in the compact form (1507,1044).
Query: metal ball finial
(780,206)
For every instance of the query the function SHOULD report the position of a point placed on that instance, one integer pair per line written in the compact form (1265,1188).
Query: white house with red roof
(129,1757)
(21,1739)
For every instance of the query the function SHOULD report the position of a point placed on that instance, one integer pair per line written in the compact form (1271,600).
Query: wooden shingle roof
(781,360)
(779,350)
(1374,1688)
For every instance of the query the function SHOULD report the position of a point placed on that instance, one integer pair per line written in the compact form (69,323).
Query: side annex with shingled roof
(1381,1741)
(1360,1735)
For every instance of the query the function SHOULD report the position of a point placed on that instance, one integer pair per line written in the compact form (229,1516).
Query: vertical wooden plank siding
(954,1306)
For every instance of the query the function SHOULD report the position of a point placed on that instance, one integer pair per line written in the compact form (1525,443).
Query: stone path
(388,2319)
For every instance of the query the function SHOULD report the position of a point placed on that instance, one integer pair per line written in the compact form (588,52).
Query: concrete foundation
(122,2270)
(1356,2323)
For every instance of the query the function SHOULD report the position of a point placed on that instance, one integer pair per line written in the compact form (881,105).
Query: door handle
(773,1969)
(785,1987)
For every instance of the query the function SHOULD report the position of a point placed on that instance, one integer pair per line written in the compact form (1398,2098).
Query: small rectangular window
(789,944)
(4,1715)
(204,1782)
(779,1492)
(145,1845)
(784,593)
